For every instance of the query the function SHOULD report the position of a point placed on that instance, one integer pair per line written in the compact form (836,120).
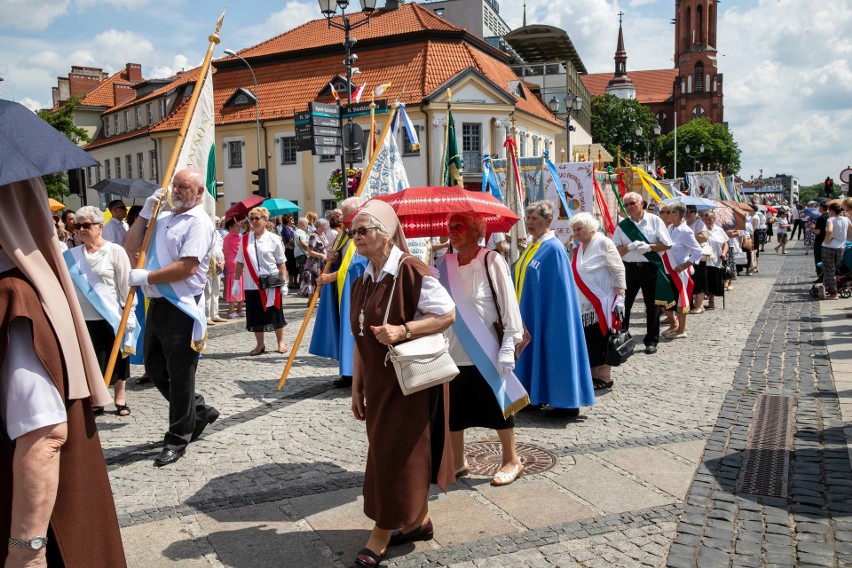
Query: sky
(786,63)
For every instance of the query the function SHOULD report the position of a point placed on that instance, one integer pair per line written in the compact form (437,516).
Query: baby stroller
(843,276)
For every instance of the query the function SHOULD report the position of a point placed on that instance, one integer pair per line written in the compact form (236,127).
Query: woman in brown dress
(409,438)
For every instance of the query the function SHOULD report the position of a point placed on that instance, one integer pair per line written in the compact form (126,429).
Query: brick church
(692,89)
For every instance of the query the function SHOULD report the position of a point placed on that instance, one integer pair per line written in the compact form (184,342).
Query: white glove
(285,290)
(643,248)
(618,306)
(138,277)
(235,288)
(151,202)
(633,245)
(506,356)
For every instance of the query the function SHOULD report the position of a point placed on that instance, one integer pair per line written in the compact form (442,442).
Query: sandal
(142,380)
(258,351)
(464,469)
(368,559)
(506,477)
(283,349)
(601,384)
(122,409)
(97,410)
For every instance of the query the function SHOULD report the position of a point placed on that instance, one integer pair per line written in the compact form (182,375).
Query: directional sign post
(325,138)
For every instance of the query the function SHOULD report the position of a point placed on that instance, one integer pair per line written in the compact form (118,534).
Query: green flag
(452,160)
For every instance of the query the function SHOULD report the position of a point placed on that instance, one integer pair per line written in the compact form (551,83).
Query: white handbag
(420,363)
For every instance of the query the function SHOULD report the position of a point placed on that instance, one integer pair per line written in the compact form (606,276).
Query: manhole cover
(485,458)
(767,453)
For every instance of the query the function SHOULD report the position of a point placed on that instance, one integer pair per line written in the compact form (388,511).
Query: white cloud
(31,14)
(292,15)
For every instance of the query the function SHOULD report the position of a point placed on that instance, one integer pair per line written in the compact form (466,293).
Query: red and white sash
(604,316)
(682,281)
(276,301)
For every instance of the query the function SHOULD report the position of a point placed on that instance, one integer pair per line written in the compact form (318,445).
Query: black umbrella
(127,188)
(30,147)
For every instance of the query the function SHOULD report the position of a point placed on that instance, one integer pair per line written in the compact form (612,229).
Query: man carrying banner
(332,336)
(639,238)
(176,324)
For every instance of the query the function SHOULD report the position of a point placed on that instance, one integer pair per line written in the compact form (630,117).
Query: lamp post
(572,104)
(329,9)
(694,157)
(233,53)
(639,130)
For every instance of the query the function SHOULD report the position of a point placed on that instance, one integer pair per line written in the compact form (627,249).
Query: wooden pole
(313,302)
(169,173)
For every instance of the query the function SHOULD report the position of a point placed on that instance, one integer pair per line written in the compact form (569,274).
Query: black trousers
(799,225)
(170,363)
(643,276)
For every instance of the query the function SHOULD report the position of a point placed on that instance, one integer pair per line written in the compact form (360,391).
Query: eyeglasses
(255,218)
(664,212)
(629,203)
(85,226)
(362,231)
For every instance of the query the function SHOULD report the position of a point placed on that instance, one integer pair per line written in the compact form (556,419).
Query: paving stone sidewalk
(277,480)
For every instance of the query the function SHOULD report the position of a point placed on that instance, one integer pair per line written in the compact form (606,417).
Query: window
(107,170)
(126,120)
(535,146)
(328,159)
(115,123)
(117,167)
(149,112)
(140,164)
(472,147)
(288,150)
(138,117)
(98,173)
(698,112)
(407,150)
(106,126)
(699,77)
(152,163)
(162,105)
(522,144)
(328,205)
(235,154)
(128,166)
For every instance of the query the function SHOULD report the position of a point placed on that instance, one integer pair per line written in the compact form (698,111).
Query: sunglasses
(85,226)
(255,218)
(362,231)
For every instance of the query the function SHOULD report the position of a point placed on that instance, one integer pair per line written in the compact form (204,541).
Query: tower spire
(620,85)
(525,14)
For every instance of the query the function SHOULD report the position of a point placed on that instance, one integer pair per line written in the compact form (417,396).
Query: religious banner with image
(704,184)
(577,183)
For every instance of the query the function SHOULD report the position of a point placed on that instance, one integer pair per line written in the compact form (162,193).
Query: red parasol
(771,209)
(240,209)
(423,211)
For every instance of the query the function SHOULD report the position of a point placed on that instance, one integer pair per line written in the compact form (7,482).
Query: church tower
(620,85)
(698,86)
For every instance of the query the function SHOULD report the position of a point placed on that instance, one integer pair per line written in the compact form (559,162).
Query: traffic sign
(846,174)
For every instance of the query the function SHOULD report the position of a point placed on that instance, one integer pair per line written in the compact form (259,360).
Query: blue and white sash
(101,297)
(480,344)
(179,295)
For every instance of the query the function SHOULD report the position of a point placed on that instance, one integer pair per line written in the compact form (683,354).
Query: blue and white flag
(402,117)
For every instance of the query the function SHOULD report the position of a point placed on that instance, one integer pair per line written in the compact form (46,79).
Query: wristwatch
(407,331)
(35,543)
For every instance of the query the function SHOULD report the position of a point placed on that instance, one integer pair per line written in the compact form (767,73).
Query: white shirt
(494,239)
(717,239)
(115,231)
(271,250)
(185,235)
(782,225)
(698,227)
(330,236)
(685,247)
(300,235)
(761,220)
(649,225)
(840,226)
(111,264)
(434,298)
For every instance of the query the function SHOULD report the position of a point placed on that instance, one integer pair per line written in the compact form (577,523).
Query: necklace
(361,316)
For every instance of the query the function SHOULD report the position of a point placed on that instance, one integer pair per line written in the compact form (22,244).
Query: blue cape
(554,367)
(332,337)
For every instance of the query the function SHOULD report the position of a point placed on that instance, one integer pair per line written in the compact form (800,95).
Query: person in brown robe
(409,437)
(55,483)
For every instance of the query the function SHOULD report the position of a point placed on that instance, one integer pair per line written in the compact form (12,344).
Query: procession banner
(531,171)
(577,183)
(704,184)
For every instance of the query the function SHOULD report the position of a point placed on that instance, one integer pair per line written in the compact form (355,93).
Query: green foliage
(810,192)
(63,121)
(721,152)
(614,123)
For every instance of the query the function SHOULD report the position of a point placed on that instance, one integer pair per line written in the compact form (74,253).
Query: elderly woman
(554,368)
(601,283)
(486,393)
(717,240)
(409,438)
(684,253)
(261,254)
(837,231)
(317,248)
(99,270)
(230,248)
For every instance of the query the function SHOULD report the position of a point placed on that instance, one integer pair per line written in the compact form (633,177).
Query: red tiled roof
(652,86)
(104,95)
(181,79)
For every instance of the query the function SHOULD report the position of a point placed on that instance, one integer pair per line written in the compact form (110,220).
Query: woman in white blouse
(261,254)
(718,241)
(99,270)
(600,279)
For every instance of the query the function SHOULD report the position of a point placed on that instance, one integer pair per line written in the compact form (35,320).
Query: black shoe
(200,425)
(424,532)
(168,456)
(343,382)
(563,412)
(531,407)
(650,349)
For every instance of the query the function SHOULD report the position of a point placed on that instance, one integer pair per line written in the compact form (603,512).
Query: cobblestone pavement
(276,480)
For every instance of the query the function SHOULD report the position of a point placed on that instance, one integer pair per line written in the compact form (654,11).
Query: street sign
(329,121)
(846,174)
(304,141)
(326,150)
(326,131)
(363,109)
(322,109)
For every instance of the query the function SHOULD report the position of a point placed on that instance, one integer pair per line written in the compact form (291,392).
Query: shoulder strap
(393,286)
(491,285)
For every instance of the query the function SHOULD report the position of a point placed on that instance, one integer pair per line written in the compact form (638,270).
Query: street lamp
(329,9)
(233,53)
(572,104)
(639,131)
(694,158)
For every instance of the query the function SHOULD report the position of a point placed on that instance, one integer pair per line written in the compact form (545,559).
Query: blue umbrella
(700,203)
(31,148)
(811,213)
(277,206)
(128,188)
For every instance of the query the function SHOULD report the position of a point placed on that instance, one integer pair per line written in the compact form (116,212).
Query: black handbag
(266,281)
(619,347)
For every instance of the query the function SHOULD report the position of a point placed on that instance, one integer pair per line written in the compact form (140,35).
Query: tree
(721,152)
(614,123)
(63,121)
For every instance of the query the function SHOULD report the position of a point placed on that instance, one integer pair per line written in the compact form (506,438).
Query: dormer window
(240,97)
